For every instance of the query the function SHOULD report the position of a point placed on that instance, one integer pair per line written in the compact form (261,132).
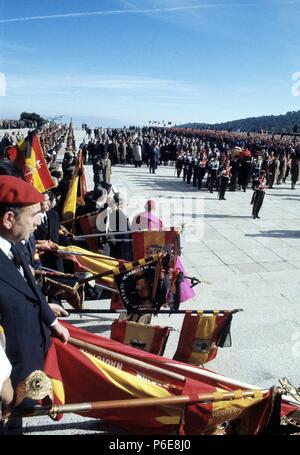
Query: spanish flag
(149,338)
(86,261)
(145,241)
(82,189)
(200,336)
(70,204)
(77,190)
(81,376)
(28,154)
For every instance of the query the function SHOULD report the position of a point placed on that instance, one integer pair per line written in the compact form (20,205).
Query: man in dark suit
(25,316)
(49,230)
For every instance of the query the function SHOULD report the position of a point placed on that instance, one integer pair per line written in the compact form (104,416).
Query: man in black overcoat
(25,315)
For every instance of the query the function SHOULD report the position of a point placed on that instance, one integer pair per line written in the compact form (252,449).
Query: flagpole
(199,371)
(80,217)
(138,263)
(143,402)
(128,360)
(107,288)
(88,255)
(53,273)
(150,310)
(89,236)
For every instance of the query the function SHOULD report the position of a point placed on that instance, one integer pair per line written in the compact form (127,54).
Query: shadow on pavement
(277,233)
(95,425)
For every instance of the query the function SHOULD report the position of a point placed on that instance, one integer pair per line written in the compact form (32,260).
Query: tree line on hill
(285,123)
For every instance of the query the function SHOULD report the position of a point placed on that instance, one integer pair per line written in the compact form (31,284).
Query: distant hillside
(288,123)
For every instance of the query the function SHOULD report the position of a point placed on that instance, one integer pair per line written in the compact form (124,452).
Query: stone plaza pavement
(245,263)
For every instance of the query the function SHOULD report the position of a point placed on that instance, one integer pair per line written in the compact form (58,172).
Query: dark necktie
(16,258)
(45,221)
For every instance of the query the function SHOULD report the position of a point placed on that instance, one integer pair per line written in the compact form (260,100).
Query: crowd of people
(16,124)
(212,160)
(51,137)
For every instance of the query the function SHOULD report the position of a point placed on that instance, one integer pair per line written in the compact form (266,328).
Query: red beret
(15,191)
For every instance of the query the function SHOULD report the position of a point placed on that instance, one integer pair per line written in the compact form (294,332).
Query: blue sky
(130,61)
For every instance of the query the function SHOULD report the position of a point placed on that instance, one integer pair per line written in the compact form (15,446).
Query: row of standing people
(239,170)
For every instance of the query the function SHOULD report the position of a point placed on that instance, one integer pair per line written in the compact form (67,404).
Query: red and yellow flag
(101,378)
(82,189)
(200,336)
(70,204)
(28,154)
(243,416)
(77,190)
(149,338)
(145,241)
(93,263)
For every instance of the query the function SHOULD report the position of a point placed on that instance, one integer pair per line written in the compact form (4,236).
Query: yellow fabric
(95,265)
(238,394)
(219,394)
(153,238)
(170,420)
(69,209)
(142,332)
(258,394)
(229,410)
(31,166)
(58,390)
(138,388)
(206,326)
(2,337)
(132,385)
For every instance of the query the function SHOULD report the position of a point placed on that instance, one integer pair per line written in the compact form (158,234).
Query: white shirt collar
(5,245)
(43,216)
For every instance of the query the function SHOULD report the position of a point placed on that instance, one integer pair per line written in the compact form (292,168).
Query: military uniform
(258,197)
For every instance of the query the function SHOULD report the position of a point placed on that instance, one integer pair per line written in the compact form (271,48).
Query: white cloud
(68,82)
(170,9)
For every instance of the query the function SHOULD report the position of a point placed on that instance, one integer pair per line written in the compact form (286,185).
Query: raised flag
(28,154)
(70,205)
(77,190)
(139,284)
(146,242)
(82,189)
(149,338)
(200,336)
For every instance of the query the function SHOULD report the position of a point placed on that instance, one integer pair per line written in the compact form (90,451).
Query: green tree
(32,119)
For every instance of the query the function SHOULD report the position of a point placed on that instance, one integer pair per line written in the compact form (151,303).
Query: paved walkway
(249,264)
